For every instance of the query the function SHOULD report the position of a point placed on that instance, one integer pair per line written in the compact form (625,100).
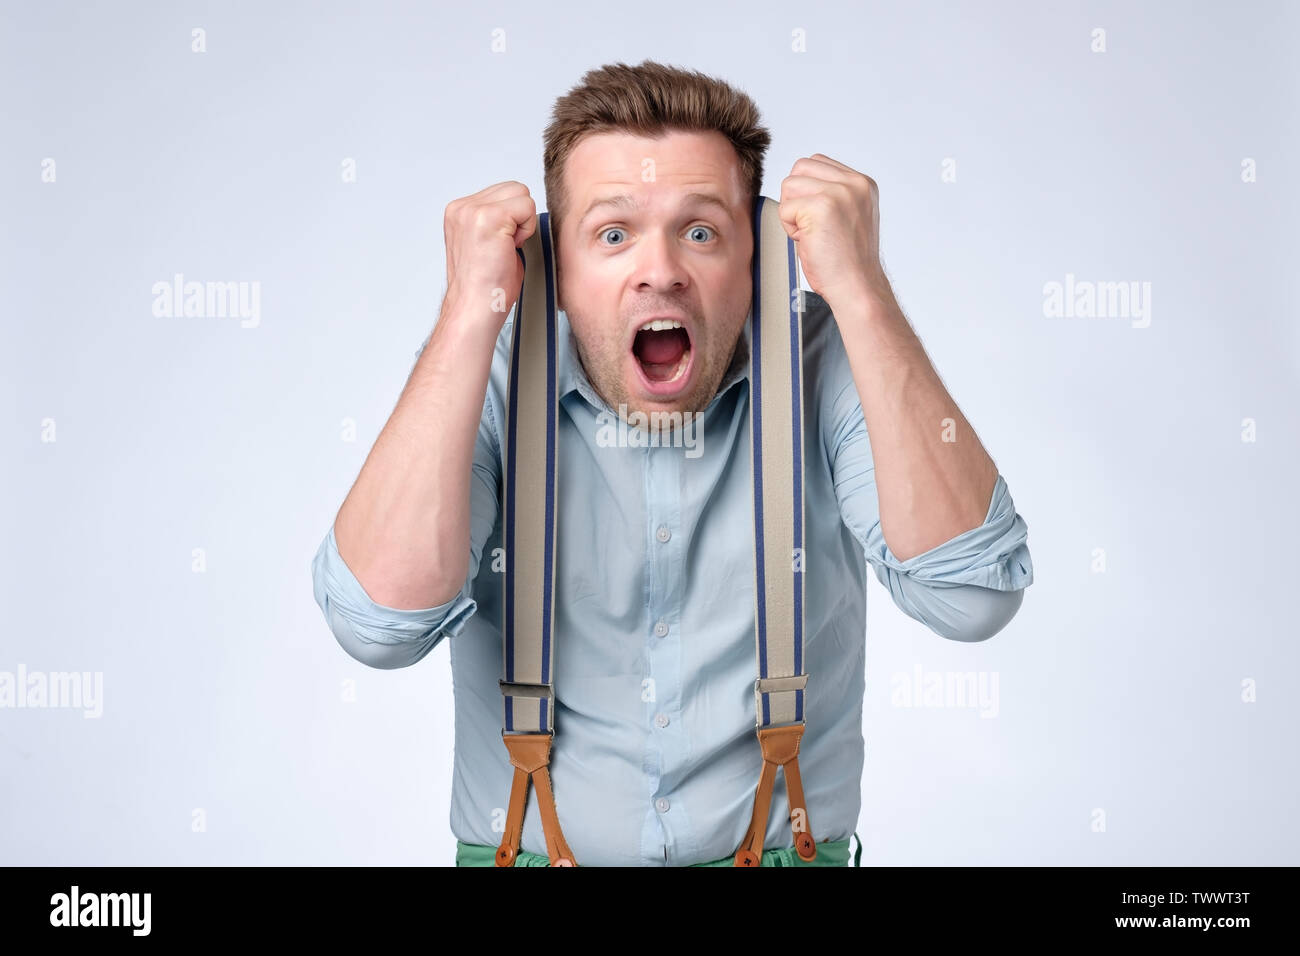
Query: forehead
(676,159)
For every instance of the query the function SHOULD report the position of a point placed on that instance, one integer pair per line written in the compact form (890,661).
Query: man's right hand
(483,232)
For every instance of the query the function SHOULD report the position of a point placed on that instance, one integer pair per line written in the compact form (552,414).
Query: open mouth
(663,356)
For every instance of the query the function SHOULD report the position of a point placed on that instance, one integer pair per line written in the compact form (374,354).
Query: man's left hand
(831,213)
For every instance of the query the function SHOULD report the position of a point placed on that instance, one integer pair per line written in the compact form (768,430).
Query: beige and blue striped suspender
(529,529)
(528,536)
(776,454)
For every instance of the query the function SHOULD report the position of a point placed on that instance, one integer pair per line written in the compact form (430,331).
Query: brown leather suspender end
(780,748)
(531,755)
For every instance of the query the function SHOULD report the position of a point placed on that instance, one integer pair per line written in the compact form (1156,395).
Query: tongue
(660,351)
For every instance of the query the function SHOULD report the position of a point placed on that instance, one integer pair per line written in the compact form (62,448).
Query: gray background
(1119,691)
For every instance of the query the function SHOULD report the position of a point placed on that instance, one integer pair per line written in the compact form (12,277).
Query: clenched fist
(483,232)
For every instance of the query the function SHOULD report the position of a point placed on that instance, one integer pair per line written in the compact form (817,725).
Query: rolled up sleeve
(384,637)
(967,588)
(388,637)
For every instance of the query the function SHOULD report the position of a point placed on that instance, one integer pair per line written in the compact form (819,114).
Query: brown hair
(648,100)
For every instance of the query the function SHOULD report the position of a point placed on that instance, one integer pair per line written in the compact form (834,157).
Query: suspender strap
(776,454)
(528,530)
(530,754)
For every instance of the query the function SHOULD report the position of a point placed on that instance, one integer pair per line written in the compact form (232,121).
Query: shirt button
(662,805)
(661,720)
(663,534)
(661,627)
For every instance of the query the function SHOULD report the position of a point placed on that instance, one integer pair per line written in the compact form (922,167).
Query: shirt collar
(571,377)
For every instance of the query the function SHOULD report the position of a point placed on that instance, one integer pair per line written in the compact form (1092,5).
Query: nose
(659,266)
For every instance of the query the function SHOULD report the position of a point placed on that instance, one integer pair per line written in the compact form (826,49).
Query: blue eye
(708,232)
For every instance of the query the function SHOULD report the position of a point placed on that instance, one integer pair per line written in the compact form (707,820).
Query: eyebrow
(625,201)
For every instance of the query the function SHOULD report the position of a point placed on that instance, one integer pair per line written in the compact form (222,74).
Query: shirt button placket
(663,504)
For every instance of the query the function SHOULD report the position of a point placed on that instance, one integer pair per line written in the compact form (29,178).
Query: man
(651,175)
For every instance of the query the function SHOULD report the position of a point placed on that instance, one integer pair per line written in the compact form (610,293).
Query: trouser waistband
(829,853)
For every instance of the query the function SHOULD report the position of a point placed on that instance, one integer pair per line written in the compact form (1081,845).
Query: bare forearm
(404,527)
(934,480)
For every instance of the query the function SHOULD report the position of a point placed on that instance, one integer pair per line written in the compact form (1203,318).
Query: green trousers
(829,853)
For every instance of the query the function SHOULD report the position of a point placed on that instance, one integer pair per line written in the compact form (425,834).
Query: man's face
(662,253)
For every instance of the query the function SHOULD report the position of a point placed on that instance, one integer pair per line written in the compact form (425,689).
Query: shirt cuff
(994,555)
(352,613)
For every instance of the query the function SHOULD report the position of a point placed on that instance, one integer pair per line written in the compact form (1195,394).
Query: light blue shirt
(655,759)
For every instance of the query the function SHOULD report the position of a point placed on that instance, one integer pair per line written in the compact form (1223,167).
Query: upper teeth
(658,325)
